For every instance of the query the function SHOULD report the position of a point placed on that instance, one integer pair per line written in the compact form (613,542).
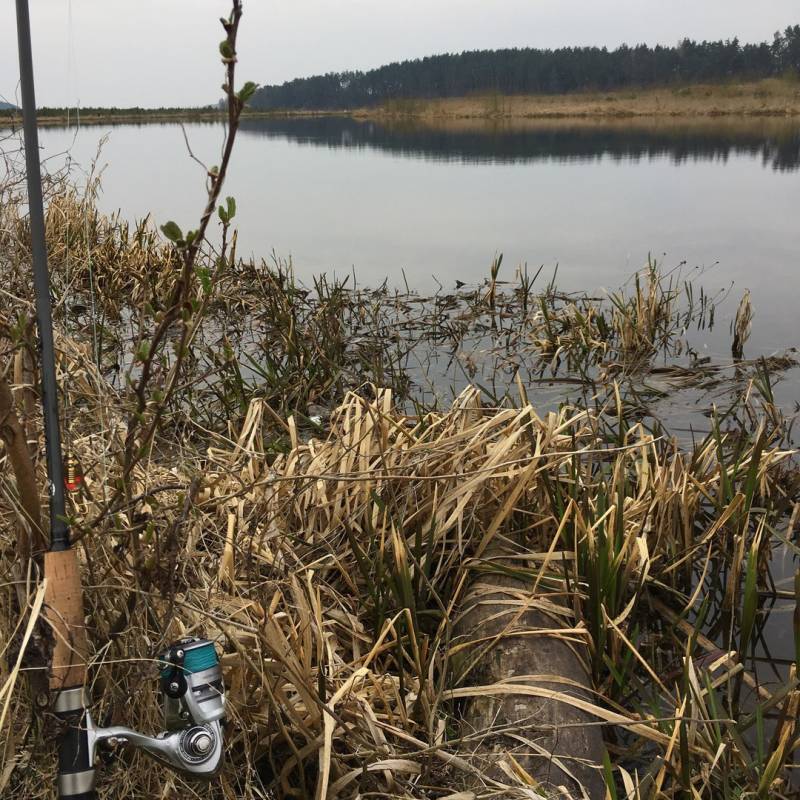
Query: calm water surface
(436,204)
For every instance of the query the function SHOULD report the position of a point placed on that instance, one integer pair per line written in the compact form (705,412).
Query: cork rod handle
(64,612)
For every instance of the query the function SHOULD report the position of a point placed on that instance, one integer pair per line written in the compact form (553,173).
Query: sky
(164,52)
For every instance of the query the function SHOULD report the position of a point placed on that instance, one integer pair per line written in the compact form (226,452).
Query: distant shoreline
(766,98)
(9,119)
(771,97)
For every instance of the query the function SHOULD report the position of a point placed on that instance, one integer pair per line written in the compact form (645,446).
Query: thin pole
(59,530)
(63,592)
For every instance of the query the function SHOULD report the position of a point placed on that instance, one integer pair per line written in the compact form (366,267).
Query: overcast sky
(164,52)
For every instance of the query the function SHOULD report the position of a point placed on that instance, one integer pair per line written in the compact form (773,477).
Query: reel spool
(191,684)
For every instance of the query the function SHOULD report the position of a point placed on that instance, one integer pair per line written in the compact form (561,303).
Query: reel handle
(195,751)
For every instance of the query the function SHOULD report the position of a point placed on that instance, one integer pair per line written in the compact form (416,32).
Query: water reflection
(775,142)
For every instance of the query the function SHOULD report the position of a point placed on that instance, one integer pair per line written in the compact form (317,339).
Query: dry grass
(329,559)
(769,97)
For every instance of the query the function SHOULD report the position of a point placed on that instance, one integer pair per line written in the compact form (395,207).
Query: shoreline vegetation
(501,539)
(766,98)
(770,97)
(347,541)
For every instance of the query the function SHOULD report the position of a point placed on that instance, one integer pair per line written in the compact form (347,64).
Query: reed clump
(304,503)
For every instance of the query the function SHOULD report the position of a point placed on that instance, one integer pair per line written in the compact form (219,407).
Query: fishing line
(73,472)
(71,467)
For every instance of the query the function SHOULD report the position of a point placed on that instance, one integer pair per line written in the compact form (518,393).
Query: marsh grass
(322,490)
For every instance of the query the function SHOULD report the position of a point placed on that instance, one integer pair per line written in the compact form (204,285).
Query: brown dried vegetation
(300,504)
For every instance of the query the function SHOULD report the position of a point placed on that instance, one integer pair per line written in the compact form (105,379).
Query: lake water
(437,203)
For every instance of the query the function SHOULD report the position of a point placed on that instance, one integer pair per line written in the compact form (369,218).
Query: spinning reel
(193,700)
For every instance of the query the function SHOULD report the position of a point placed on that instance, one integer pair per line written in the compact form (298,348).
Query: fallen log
(505,634)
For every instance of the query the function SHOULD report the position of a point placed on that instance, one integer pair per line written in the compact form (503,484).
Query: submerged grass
(327,483)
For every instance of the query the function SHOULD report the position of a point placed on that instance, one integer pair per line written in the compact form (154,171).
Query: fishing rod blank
(59,530)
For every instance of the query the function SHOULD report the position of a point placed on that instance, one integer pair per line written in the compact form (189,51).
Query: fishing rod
(192,691)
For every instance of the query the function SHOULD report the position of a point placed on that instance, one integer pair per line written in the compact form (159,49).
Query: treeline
(530,71)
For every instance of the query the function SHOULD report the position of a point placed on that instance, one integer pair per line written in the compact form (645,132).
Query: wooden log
(550,740)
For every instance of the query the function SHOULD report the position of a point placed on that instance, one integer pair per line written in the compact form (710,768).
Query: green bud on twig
(172,231)
(247,91)
(226,215)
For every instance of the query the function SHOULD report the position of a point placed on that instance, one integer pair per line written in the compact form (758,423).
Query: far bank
(773,97)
